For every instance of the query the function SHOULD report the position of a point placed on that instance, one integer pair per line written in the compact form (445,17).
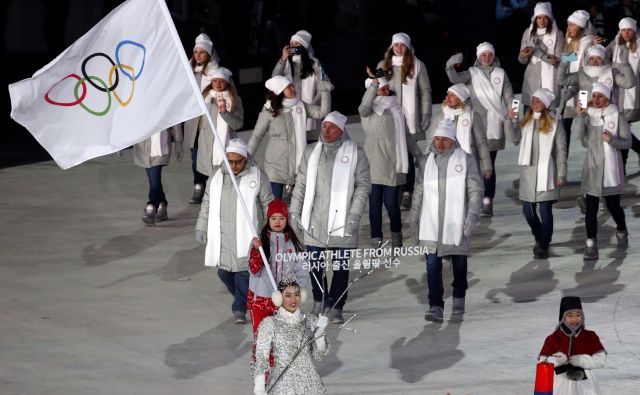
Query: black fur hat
(569,303)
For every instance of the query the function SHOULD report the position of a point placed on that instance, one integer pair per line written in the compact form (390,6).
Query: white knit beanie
(401,38)
(277,84)
(446,128)
(628,23)
(580,18)
(237,146)
(484,47)
(460,90)
(382,82)
(597,50)
(303,37)
(542,9)
(601,88)
(218,72)
(336,118)
(545,96)
(203,41)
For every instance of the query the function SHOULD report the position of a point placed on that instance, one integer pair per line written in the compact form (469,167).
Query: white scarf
(160,143)
(463,118)
(547,71)
(299,116)
(545,180)
(221,126)
(249,184)
(603,73)
(489,94)
(634,58)
(382,103)
(342,183)
(409,93)
(307,88)
(608,118)
(455,194)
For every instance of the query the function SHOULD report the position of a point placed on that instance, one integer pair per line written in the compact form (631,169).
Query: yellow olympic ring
(133,83)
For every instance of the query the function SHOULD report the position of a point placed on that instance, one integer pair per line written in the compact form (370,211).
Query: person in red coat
(574,351)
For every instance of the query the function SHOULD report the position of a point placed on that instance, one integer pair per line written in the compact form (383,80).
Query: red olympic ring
(69,104)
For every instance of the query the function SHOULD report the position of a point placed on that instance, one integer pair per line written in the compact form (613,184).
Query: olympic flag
(124,80)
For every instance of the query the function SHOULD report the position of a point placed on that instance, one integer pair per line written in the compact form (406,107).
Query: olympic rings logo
(117,67)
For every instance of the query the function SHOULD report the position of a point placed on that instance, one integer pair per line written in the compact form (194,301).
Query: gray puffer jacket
(630,114)
(529,174)
(380,143)
(280,156)
(593,167)
(228,199)
(464,77)
(206,143)
(142,151)
(473,201)
(320,211)
(533,74)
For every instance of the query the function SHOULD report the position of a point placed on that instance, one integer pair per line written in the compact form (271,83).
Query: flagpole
(218,142)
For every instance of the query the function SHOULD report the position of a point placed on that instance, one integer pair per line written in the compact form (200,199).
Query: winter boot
(591,250)
(396,239)
(435,314)
(539,252)
(623,240)
(458,306)
(376,242)
(149,216)
(405,201)
(487,207)
(316,308)
(240,317)
(336,316)
(198,193)
(162,214)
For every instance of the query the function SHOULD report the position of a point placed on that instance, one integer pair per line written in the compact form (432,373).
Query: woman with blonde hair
(543,168)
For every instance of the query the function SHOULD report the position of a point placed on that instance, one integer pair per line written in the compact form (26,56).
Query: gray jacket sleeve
(475,188)
(279,68)
(560,142)
(523,44)
(177,133)
(319,112)
(425,91)
(203,216)
(480,137)
(462,77)
(564,77)
(623,139)
(362,186)
(262,125)
(507,91)
(366,106)
(235,119)
(579,129)
(624,76)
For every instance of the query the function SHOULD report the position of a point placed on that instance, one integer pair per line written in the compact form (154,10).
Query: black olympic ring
(86,76)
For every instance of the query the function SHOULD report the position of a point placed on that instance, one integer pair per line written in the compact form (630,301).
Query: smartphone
(583,99)
(515,105)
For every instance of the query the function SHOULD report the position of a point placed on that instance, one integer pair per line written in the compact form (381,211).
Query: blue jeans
(238,285)
(198,178)
(338,283)
(388,195)
(156,193)
(277,189)
(434,278)
(542,225)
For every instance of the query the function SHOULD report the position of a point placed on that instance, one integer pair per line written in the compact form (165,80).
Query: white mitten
(321,324)
(559,358)
(584,361)
(455,59)
(258,386)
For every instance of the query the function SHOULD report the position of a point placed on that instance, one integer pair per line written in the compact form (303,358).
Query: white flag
(124,80)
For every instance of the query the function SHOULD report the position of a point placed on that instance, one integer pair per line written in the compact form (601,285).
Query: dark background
(347,36)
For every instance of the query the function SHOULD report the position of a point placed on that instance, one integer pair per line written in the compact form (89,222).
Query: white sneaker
(149,216)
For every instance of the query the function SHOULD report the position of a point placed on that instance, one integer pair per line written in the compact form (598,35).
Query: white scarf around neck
(463,118)
(342,186)
(409,93)
(382,103)
(221,125)
(547,71)
(307,90)
(455,194)
(249,185)
(634,58)
(161,143)
(489,94)
(299,116)
(545,180)
(608,118)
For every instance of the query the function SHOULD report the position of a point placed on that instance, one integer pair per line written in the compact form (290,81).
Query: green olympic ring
(90,111)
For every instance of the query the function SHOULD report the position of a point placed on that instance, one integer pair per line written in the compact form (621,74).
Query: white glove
(201,236)
(325,86)
(455,59)
(470,225)
(258,386)
(352,225)
(582,360)
(559,358)
(321,324)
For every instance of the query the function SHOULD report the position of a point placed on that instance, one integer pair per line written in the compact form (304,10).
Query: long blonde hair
(575,41)
(232,92)
(633,43)
(546,120)
(408,66)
